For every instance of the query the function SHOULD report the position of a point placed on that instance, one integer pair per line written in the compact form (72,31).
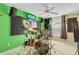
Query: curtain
(63,28)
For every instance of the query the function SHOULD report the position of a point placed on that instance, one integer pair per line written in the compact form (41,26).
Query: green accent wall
(31,16)
(37,18)
(21,13)
(4,9)
(7,41)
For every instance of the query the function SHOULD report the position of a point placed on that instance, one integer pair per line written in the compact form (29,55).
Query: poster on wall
(33,24)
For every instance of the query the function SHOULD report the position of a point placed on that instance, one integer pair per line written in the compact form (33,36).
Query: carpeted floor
(61,47)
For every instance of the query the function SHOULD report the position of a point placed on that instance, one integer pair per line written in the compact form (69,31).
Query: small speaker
(13,11)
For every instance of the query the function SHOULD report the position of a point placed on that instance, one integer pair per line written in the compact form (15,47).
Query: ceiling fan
(48,10)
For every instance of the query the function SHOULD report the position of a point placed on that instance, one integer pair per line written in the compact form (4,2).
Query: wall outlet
(8,44)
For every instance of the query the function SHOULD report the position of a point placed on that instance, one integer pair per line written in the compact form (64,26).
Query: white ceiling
(61,8)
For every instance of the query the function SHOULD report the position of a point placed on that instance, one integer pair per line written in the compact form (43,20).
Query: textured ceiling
(61,8)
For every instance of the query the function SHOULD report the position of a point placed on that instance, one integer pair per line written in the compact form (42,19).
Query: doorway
(73,27)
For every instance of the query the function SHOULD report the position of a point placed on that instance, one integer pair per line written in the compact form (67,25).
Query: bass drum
(43,49)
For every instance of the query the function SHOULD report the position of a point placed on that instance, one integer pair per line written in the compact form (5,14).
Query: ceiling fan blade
(45,5)
(51,8)
(44,13)
(54,13)
(41,10)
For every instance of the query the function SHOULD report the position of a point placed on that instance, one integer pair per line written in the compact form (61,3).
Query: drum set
(42,46)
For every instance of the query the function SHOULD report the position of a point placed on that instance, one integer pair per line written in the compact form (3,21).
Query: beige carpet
(62,47)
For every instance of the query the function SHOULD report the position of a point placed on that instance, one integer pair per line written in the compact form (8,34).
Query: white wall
(56,26)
